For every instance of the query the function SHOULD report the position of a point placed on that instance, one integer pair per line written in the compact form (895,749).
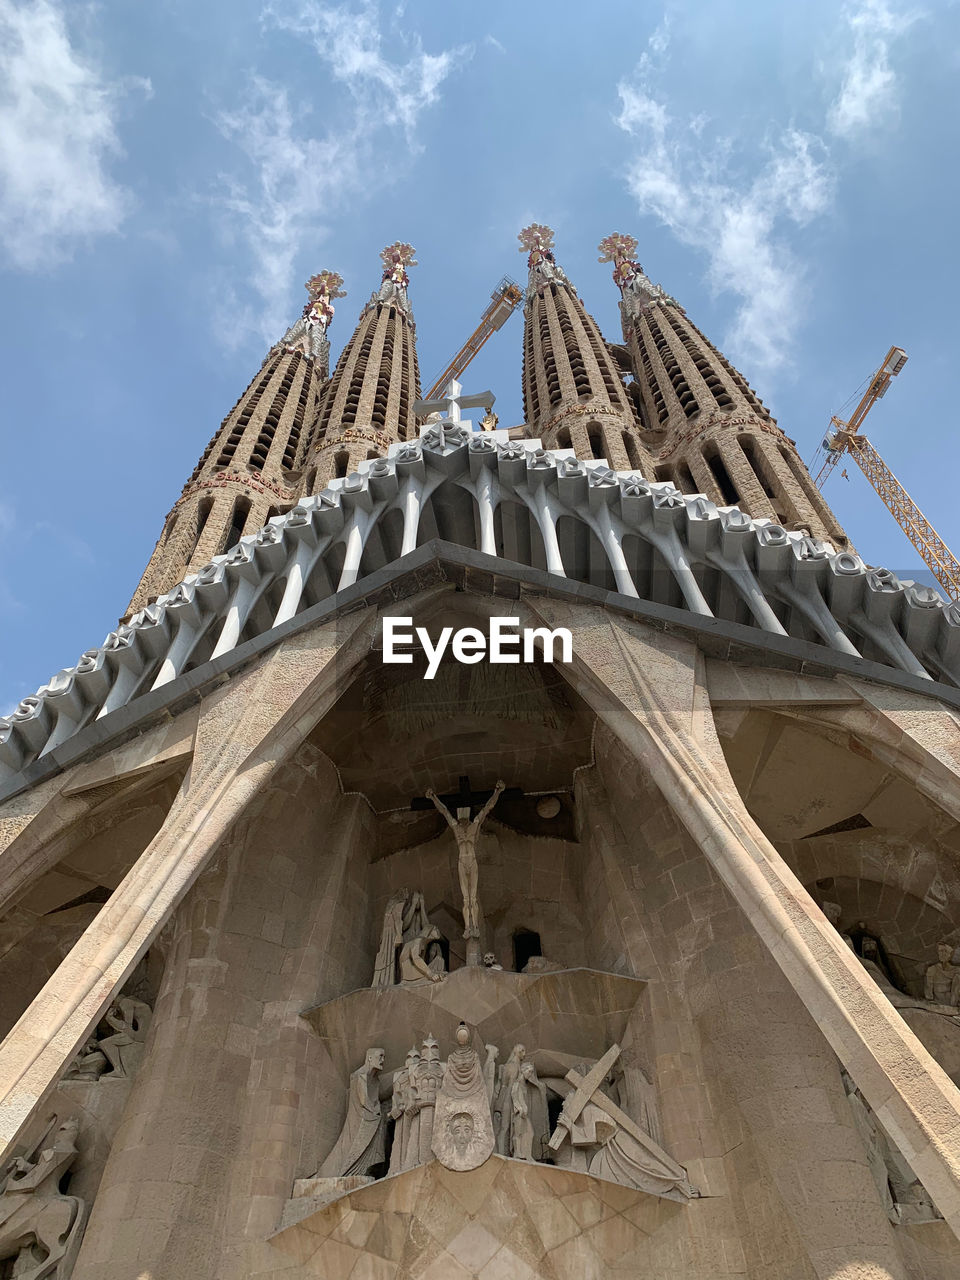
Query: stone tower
(368,403)
(573,394)
(249,470)
(706,428)
(502,862)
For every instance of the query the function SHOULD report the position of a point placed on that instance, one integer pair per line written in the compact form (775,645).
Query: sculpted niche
(462,1110)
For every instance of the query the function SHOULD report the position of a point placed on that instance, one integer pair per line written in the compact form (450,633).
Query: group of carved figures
(941,980)
(462,1110)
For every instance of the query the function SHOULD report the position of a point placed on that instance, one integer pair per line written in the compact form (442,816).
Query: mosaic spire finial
(396,258)
(536,241)
(309,333)
(628,275)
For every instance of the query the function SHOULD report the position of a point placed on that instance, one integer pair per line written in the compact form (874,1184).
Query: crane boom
(846,438)
(938,557)
(503,302)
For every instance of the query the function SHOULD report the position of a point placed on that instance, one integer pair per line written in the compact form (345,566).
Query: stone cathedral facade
(633,957)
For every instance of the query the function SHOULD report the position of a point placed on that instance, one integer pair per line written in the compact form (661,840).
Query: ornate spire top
(309,333)
(396,258)
(537,242)
(636,287)
(322,289)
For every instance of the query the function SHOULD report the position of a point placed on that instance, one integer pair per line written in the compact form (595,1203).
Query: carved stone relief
(39,1226)
(117,1043)
(462,1110)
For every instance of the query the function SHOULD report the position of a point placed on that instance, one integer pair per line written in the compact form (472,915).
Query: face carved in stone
(460,1128)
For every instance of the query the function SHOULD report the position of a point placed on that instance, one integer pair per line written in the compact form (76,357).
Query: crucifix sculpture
(466,831)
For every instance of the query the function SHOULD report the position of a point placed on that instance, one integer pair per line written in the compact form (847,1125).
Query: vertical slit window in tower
(241,509)
(595,436)
(749,447)
(204,508)
(812,493)
(296,428)
(633,452)
(684,479)
(664,474)
(341,461)
(611,383)
(718,468)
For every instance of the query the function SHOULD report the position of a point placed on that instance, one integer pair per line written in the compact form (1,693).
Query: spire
(368,402)
(573,393)
(707,429)
(249,470)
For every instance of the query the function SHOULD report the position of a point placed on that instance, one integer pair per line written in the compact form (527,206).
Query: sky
(171,174)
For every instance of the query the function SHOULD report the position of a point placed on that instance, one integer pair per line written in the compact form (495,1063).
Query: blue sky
(171,173)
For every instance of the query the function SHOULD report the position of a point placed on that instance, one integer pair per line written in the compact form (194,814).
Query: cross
(464,798)
(451,403)
(586,1090)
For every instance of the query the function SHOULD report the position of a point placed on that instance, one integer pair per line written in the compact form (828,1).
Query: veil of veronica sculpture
(641,963)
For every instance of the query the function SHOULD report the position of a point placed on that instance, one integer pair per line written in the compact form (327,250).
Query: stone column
(647,689)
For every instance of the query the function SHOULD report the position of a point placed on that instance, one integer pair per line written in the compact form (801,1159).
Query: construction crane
(503,302)
(847,438)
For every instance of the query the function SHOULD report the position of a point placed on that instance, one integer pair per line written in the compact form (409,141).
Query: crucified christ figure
(466,832)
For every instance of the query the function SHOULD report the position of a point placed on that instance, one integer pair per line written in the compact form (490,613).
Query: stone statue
(466,832)
(530,1130)
(490,1073)
(503,1100)
(35,1216)
(404,1110)
(463,1126)
(605,1142)
(360,1146)
(428,1078)
(638,1098)
(130,1020)
(404,918)
(490,961)
(414,966)
(90,1063)
(942,980)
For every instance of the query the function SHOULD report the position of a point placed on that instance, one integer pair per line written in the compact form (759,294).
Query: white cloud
(868,93)
(693,186)
(57,137)
(741,212)
(351,43)
(300,180)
